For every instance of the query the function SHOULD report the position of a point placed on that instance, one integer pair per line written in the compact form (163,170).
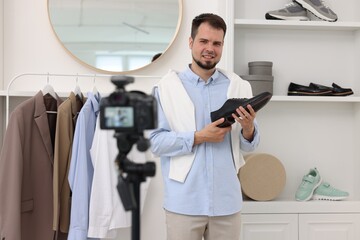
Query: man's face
(206,47)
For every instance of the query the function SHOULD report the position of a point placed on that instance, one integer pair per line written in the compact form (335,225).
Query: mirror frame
(180,16)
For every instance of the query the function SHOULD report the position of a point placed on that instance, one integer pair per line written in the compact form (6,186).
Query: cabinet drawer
(329,226)
(269,227)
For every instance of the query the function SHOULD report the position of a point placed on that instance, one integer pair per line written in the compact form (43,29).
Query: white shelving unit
(297,25)
(303,132)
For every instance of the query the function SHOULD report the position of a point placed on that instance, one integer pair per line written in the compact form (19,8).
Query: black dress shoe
(300,90)
(230,106)
(336,90)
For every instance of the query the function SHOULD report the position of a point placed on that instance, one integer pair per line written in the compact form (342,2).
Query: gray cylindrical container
(260,68)
(260,83)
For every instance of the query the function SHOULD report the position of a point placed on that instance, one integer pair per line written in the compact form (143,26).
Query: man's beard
(207,66)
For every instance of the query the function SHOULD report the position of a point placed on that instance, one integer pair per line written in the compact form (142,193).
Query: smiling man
(199,160)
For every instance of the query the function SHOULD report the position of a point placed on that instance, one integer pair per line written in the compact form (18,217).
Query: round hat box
(263,177)
(260,68)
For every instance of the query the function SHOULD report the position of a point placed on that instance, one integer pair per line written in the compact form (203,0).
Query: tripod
(131,175)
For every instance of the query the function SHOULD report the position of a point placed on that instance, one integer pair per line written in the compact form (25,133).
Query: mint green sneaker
(327,192)
(309,183)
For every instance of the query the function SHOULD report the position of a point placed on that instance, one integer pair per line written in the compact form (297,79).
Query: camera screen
(119,117)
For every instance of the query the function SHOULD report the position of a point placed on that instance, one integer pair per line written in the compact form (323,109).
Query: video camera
(130,112)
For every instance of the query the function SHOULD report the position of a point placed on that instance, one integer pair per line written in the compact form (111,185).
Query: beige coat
(65,128)
(26,167)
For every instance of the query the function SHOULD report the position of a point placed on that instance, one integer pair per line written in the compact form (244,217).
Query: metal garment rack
(48,75)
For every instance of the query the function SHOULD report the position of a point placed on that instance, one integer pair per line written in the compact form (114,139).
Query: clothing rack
(19,76)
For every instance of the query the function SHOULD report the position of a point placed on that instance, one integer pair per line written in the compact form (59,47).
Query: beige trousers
(186,227)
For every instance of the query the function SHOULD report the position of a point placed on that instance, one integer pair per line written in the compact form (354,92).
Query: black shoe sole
(270,17)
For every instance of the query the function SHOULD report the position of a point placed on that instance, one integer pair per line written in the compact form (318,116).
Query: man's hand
(246,120)
(211,133)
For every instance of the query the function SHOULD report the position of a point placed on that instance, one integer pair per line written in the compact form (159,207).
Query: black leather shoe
(300,90)
(230,106)
(336,90)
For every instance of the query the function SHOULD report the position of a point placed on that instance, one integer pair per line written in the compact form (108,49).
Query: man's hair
(214,20)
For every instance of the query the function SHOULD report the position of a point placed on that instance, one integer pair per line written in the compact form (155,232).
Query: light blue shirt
(212,187)
(81,168)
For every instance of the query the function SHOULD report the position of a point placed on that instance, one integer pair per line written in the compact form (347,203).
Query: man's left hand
(246,120)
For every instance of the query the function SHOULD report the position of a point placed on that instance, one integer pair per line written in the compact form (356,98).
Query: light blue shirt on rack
(81,168)
(212,187)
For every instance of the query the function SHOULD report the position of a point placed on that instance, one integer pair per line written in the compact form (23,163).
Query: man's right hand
(211,133)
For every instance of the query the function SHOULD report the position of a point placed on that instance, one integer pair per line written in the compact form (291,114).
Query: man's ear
(191,41)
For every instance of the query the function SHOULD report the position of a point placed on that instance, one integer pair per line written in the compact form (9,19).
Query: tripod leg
(135,230)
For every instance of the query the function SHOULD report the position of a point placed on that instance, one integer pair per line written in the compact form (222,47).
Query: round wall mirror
(115,35)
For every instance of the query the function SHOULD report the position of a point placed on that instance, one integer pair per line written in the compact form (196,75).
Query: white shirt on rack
(106,212)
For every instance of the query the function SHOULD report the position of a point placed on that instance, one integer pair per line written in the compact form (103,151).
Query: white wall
(30,46)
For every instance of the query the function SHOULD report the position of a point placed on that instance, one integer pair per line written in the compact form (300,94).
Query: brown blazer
(26,167)
(65,127)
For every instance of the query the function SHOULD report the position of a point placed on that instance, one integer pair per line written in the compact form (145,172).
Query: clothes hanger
(77,90)
(94,90)
(48,89)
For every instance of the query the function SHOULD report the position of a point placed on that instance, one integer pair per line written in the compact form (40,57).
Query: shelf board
(346,99)
(294,207)
(303,25)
